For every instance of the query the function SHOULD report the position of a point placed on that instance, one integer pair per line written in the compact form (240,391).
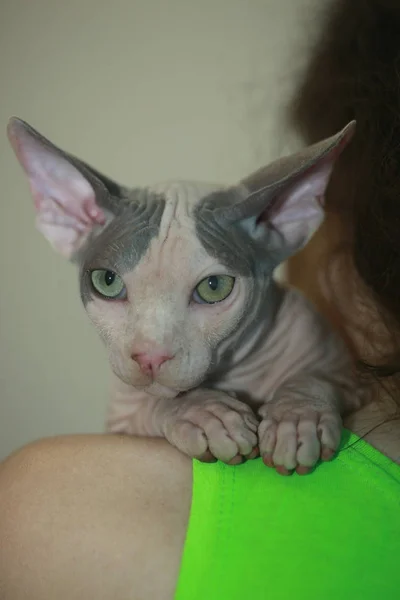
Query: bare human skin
(111,528)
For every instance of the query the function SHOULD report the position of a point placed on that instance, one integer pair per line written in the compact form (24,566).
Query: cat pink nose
(150,362)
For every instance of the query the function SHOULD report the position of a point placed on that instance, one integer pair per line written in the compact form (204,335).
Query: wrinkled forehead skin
(146,219)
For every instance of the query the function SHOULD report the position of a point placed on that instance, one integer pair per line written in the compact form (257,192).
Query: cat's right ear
(69,196)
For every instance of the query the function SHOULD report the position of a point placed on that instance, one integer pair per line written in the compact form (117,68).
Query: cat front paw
(293,438)
(211,425)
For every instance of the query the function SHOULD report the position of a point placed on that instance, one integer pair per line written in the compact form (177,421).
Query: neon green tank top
(333,534)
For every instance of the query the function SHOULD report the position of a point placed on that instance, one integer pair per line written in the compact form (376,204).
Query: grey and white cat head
(172,275)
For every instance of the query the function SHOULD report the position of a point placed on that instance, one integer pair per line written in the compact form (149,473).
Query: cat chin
(158,390)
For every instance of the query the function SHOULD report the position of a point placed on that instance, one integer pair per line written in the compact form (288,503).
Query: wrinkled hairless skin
(206,348)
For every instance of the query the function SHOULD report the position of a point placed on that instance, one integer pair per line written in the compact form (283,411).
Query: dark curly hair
(354,73)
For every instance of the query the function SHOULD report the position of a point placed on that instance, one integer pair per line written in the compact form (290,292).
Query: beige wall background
(144,90)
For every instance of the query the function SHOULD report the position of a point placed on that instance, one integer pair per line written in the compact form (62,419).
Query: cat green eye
(214,288)
(107,283)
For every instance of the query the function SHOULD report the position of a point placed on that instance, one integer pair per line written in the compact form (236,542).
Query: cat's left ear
(71,198)
(286,198)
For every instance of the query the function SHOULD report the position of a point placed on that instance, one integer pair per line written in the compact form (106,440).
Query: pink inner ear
(295,209)
(64,200)
(298,212)
(52,176)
